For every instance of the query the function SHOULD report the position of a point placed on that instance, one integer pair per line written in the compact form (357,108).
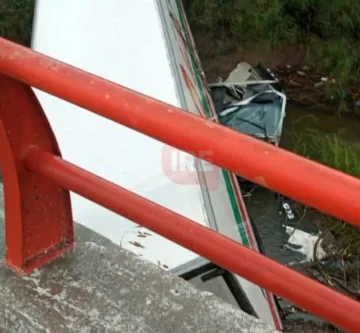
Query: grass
(328,149)
(242,20)
(342,271)
(340,57)
(330,28)
(331,150)
(16,20)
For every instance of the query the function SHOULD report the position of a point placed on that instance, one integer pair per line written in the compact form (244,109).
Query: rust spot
(261,181)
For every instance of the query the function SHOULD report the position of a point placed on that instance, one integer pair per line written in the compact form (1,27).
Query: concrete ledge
(101,288)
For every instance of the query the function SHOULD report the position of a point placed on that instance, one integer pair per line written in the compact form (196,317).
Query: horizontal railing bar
(282,281)
(310,183)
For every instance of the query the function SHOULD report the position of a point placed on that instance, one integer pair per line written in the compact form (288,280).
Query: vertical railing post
(38,218)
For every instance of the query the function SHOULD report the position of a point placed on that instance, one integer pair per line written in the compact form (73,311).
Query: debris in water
(319,84)
(304,243)
(293,83)
(301,73)
(287,208)
(251,101)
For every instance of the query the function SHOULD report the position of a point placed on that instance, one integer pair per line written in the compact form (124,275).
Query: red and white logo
(181,168)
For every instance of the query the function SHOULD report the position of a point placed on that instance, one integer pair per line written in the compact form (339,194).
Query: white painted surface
(192,84)
(103,38)
(123,41)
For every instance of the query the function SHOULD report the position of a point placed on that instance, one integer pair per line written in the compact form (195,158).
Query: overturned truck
(156,58)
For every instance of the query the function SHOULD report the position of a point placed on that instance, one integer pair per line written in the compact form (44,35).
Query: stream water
(322,121)
(263,205)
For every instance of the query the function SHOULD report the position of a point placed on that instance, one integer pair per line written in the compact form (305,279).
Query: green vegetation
(328,149)
(331,150)
(331,28)
(344,250)
(16,20)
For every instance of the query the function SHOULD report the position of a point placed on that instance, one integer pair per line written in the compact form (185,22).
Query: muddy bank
(220,57)
(303,326)
(305,84)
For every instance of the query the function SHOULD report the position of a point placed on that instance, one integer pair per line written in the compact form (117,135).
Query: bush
(331,28)
(242,20)
(328,149)
(340,57)
(279,19)
(331,150)
(16,20)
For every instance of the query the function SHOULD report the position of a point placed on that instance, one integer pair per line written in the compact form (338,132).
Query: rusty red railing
(39,224)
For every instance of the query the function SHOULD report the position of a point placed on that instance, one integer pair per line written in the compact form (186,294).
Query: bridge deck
(102,288)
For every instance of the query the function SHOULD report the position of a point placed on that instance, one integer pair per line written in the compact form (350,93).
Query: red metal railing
(336,193)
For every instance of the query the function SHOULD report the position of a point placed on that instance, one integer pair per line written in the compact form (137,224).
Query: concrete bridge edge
(100,287)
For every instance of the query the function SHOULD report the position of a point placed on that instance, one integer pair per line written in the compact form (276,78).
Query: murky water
(263,205)
(299,119)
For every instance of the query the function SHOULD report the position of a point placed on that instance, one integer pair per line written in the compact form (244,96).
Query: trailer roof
(122,41)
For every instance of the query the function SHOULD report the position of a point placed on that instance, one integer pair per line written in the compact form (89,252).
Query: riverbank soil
(302,326)
(219,57)
(304,83)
